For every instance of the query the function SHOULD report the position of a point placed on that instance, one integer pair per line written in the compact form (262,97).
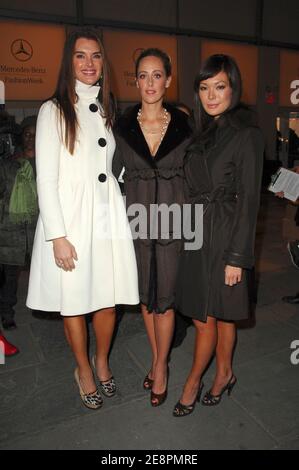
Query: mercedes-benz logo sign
(21,50)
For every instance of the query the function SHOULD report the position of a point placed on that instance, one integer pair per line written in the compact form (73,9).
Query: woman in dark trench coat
(150,145)
(223,169)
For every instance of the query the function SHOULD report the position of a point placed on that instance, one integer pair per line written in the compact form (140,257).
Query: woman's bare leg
(164,327)
(224,354)
(205,344)
(148,319)
(103,323)
(76,335)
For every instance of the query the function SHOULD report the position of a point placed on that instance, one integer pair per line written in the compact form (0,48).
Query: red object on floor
(9,349)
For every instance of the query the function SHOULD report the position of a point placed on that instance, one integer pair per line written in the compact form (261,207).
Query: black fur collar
(227,124)
(178,130)
(239,117)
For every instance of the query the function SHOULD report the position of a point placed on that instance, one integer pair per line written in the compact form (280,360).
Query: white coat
(80,199)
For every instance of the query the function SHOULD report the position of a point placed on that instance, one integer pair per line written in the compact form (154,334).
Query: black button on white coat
(102,177)
(102,142)
(93,108)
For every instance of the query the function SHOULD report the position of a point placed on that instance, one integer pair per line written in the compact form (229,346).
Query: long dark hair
(154,51)
(212,66)
(65,96)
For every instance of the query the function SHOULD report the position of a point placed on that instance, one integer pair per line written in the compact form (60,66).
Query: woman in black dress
(151,139)
(223,169)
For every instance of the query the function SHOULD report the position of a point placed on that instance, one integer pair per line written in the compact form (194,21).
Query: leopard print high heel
(92,400)
(107,387)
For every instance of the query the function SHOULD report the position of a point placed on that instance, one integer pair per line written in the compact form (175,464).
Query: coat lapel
(178,130)
(135,139)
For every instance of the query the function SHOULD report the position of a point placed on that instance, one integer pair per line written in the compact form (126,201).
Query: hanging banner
(246,57)
(30,59)
(289,78)
(123,48)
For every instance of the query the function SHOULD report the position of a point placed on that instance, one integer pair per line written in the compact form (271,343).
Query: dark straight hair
(65,95)
(155,52)
(212,66)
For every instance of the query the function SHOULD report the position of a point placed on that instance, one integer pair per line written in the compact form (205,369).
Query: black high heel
(158,398)
(181,410)
(148,382)
(212,400)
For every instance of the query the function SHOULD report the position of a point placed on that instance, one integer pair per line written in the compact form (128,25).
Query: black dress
(148,181)
(223,172)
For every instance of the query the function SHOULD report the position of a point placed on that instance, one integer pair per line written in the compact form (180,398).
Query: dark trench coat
(224,176)
(153,180)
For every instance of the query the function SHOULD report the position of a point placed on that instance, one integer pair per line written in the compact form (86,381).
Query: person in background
(223,170)
(6,348)
(293,147)
(18,198)
(183,107)
(293,247)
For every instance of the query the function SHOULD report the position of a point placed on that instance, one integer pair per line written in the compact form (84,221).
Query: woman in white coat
(83,257)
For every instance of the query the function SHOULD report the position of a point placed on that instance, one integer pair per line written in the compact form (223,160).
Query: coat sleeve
(48,148)
(249,165)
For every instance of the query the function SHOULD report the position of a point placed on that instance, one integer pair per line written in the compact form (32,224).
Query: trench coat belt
(218,196)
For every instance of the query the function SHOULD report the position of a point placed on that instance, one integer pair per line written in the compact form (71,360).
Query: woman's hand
(64,254)
(233,275)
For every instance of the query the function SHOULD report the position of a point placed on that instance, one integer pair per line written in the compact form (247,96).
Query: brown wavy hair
(65,95)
